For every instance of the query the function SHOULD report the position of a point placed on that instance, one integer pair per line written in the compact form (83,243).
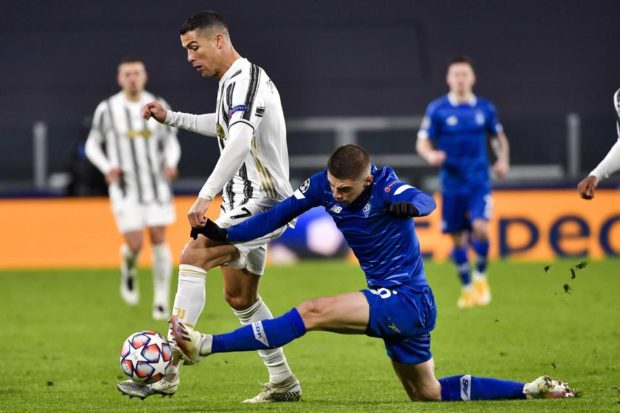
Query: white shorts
(252,254)
(130,215)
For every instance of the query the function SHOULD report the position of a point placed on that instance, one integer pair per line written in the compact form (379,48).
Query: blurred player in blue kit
(453,135)
(373,210)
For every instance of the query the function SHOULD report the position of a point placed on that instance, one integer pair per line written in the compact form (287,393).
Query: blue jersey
(387,248)
(461,131)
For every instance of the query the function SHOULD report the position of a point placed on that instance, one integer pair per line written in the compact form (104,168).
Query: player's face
(132,77)
(461,78)
(346,191)
(203,51)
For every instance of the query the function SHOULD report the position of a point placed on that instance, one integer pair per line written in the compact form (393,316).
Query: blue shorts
(403,317)
(459,210)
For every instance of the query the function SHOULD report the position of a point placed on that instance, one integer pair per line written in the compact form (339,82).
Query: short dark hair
(348,162)
(461,59)
(130,59)
(203,20)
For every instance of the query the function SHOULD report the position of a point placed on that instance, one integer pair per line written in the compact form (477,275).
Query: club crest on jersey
(366,210)
(452,120)
(336,209)
(238,108)
(479,118)
(305,186)
(388,188)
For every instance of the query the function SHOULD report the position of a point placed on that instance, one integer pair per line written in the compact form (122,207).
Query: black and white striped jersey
(246,94)
(120,137)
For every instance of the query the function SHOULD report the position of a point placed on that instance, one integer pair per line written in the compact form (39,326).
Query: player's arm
(609,165)
(499,143)
(406,201)
(255,227)
(427,132)
(202,124)
(94,145)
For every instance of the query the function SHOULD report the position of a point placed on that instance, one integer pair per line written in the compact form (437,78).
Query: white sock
(129,259)
(162,272)
(188,304)
(190,297)
(274,359)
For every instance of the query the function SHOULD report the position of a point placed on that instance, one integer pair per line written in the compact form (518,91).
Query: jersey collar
(452,99)
(233,68)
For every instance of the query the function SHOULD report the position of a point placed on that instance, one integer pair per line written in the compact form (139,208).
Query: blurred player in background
(374,210)
(252,172)
(458,124)
(138,159)
(609,165)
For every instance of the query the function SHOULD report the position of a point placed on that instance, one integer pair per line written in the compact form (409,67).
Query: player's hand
(436,158)
(170,172)
(210,230)
(403,210)
(113,175)
(501,168)
(586,187)
(196,214)
(154,110)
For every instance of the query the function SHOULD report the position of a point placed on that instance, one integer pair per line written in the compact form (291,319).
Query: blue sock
(482,253)
(457,388)
(261,334)
(459,256)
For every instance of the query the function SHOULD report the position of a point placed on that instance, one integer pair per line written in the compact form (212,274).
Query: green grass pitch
(62,331)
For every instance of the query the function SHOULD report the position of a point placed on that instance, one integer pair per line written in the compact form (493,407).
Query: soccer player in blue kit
(373,209)
(459,125)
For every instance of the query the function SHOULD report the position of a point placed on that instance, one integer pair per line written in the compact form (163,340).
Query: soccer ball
(145,356)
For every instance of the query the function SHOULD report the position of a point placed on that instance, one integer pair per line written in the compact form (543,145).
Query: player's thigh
(134,240)
(453,213)
(479,209)
(207,254)
(240,287)
(419,380)
(157,234)
(344,313)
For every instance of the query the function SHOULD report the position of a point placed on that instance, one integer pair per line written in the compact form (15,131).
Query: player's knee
(312,312)
(426,393)
(135,246)
(480,230)
(192,255)
(239,299)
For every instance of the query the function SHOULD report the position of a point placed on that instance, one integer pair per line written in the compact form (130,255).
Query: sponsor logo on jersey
(452,121)
(238,108)
(145,133)
(366,210)
(426,123)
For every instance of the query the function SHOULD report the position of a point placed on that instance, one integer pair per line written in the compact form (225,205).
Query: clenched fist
(154,110)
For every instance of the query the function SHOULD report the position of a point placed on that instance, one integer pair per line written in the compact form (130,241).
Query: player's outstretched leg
(463,388)
(129,279)
(282,385)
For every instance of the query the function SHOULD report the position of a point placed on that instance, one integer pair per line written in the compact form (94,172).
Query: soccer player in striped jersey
(139,159)
(459,125)
(252,172)
(609,164)
(373,209)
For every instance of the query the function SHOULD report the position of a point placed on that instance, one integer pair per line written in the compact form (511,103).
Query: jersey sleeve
(493,125)
(172,149)
(429,126)
(307,196)
(401,192)
(244,100)
(96,138)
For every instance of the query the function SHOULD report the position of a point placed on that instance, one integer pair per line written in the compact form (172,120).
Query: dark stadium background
(538,61)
